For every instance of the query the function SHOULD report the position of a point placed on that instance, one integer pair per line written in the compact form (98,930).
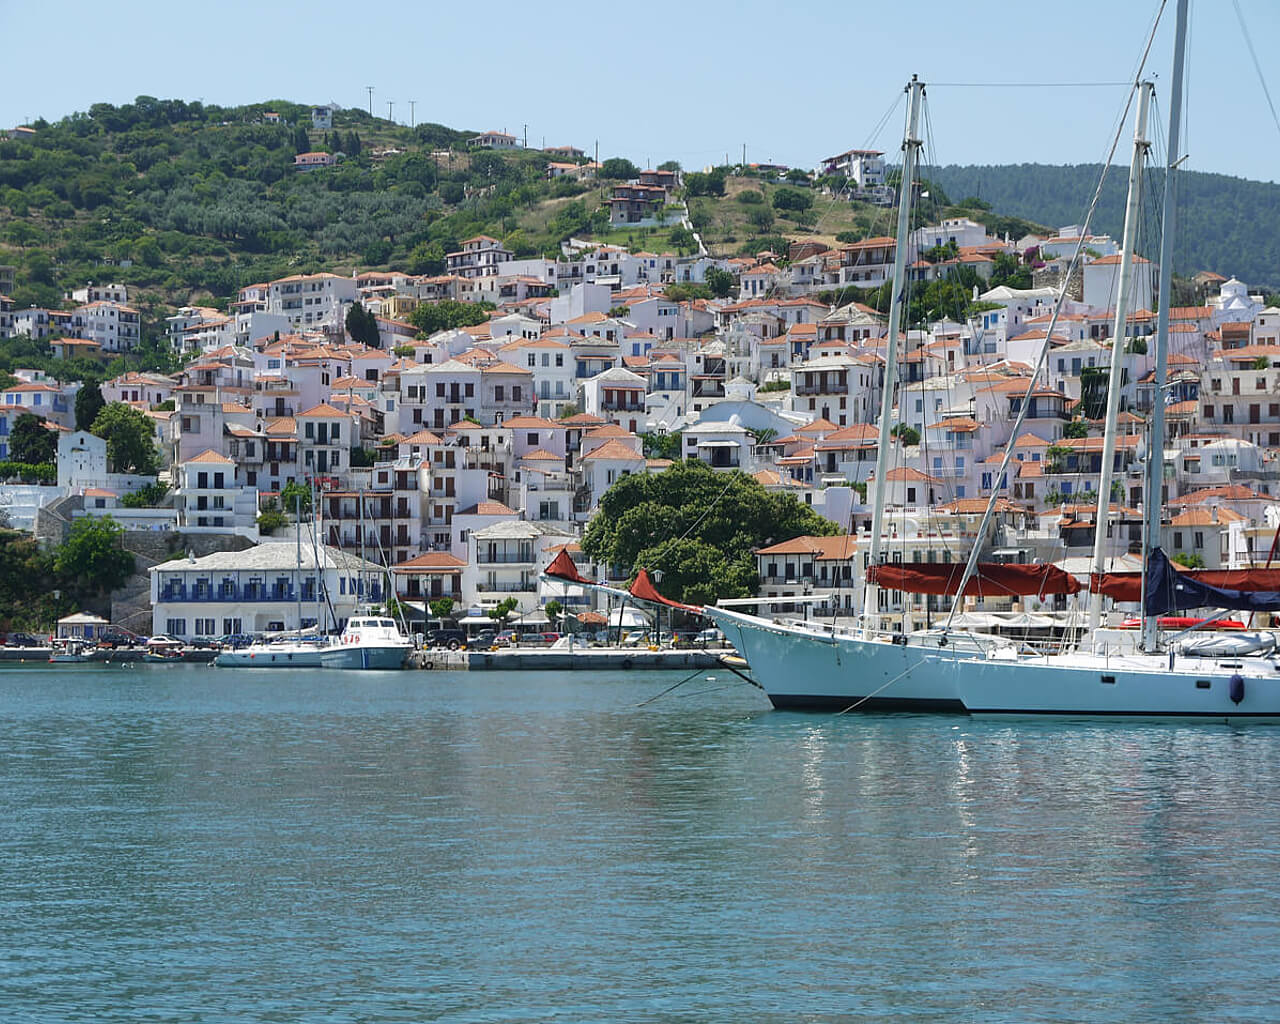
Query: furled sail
(990,579)
(1169,590)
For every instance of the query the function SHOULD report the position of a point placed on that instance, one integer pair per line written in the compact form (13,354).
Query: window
(1199,539)
(1177,538)
(533,359)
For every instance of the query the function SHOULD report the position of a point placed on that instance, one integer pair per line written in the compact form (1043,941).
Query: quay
(584,658)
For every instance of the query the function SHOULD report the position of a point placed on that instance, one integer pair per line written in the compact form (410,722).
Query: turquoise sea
(192,844)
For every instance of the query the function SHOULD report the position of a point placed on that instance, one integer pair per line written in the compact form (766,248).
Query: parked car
(505,639)
(113,638)
(709,638)
(483,639)
(235,640)
(636,638)
(22,640)
(202,642)
(453,639)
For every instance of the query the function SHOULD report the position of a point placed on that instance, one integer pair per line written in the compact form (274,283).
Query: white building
(280,584)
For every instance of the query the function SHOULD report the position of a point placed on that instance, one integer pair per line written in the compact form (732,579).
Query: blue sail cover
(1169,590)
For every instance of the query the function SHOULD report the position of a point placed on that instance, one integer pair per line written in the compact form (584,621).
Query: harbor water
(181,843)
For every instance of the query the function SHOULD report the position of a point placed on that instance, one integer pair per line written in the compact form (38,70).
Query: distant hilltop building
(494,140)
(322,117)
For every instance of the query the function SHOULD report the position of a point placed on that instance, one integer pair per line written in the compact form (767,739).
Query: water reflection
(515,847)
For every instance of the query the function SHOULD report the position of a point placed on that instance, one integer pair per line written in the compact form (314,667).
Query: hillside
(1228,225)
(186,202)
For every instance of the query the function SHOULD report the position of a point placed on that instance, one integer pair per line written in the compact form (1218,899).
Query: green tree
(720,282)
(89,402)
(504,607)
(798,176)
(698,526)
(553,609)
(363,326)
(295,495)
(619,168)
(447,314)
(441,607)
(91,558)
(147,496)
(662,446)
(905,435)
(792,200)
(30,441)
(1076,428)
(130,435)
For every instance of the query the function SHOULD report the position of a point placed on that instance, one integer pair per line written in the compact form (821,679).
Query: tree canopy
(130,436)
(89,402)
(699,526)
(31,441)
(92,556)
(447,314)
(362,326)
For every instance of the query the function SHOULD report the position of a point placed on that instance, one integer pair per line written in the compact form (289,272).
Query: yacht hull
(809,670)
(806,670)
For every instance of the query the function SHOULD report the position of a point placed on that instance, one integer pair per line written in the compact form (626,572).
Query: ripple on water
(269,846)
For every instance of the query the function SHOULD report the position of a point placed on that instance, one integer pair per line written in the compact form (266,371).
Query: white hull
(366,643)
(803,669)
(273,656)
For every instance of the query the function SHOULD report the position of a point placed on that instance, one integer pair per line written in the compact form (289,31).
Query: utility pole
(411,106)
(370,88)
(526,135)
(744,156)
(390,104)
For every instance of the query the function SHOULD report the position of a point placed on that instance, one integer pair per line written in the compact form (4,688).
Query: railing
(504,558)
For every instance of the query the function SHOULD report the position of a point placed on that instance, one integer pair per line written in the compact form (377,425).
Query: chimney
(1214,514)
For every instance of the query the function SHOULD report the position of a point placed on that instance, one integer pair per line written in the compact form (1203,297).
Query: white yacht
(1110,673)
(367,642)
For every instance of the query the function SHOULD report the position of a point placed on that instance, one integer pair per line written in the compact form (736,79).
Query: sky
(693,82)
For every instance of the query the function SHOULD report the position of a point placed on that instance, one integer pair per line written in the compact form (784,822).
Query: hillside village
(464,461)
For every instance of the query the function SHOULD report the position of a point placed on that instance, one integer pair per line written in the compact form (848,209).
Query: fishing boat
(1110,672)
(69,652)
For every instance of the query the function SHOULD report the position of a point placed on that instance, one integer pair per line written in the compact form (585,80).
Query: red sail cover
(990,579)
(1127,586)
(644,590)
(562,568)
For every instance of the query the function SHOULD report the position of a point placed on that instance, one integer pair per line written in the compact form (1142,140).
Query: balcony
(504,558)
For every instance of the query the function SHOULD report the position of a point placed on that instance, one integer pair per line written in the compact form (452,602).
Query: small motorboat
(69,651)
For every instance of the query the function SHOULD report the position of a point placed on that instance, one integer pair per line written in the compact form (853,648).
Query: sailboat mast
(1131,214)
(910,152)
(1154,496)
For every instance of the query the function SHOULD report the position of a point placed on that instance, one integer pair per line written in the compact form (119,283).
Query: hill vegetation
(186,202)
(1225,224)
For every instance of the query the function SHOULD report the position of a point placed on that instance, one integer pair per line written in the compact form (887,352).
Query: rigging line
(836,194)
(1032,85)
(971,564)
(696,672)
(1256,66)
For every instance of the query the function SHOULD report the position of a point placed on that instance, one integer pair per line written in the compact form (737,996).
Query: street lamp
(807,589)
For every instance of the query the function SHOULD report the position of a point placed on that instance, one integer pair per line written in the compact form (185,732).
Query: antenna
(411,106)
(370,88)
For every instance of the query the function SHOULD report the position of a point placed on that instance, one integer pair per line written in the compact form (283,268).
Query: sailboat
(804,667)
(368,641)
